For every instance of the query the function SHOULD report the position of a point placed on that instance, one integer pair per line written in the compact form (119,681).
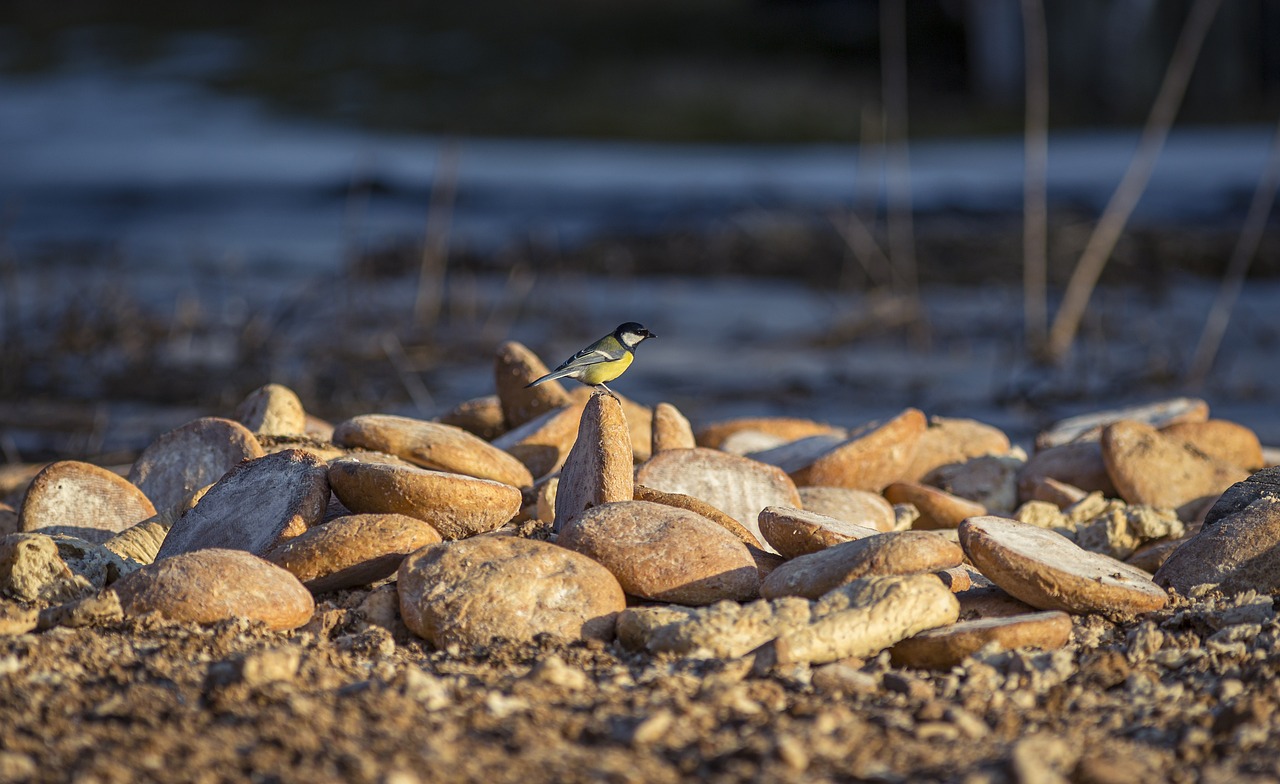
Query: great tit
(603,360)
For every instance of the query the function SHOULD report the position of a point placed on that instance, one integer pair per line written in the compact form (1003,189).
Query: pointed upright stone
(670,429)
(273,410)
(514,367)
(432,445)
(598,470)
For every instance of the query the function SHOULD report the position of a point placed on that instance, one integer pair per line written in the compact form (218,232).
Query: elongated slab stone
(1089,426)
(905,552)
(196,455)
(1151,468)
(432,445)
(455,505)
(946,441)
(1049,572)
(599,467)
(257,505)
(795,532)
(83,500)
(699,507)
(938,508)
(872,457)
(354,550)
(1222,440)
(945,647)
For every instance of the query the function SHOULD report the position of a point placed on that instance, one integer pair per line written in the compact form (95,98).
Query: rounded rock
(662,553)
(860,507)
(83,500)
(784,428)
(352,551)
(699,507)
(1050,572)
(455,505)
(796,532)
(208,586)
(938,508)
(514,368)
(480,416)
(196,455)
(1222,440)
(873,456)
(272,410)
(475,591)
(432,445)
(671,430)
(1151,468)
(906,552)
(1078,464)
(945,647)
(947,441)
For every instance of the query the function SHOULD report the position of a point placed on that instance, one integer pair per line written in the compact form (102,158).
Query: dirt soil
(1187,694)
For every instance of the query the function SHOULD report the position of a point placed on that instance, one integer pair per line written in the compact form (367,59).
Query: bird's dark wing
(590,356)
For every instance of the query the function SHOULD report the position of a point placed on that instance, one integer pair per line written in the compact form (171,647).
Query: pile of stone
(584,515)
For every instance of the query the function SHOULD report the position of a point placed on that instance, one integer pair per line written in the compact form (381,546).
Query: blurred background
(1013,211)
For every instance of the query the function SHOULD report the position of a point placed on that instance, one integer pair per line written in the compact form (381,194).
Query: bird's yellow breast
(604,372)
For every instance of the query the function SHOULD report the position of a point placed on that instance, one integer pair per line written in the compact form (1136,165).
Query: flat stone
(432,445)
(1150,556)
(196,455)
(1089,426)
(946,441)
(324,451)
(1222,440)
(480,416)
(785,428)
(474,591)
(736,485)
(1060,494)
(873,456)
(317,428)
(904,552)
(208,586)
(990,601)
(945,647)
(141,542)
(257,505)
(663,553)
(543,443)
(455,505)
(514,367)
(272,410)
(860,507)
(671,430)
(990,480)
(1238,548)
(938,508)
(699,507)
(1078,464)
(82,500)
(352,551)
(599,467)
(796,532)
(1150,468)
(1049,572)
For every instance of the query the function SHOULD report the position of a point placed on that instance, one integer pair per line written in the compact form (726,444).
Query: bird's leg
(606,389)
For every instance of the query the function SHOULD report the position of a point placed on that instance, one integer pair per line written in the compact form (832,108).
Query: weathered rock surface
(1222,440)
(872,457)
(480,416)
(699,507)
(32,570)
(208,586)
(257,505)
(272,410)
(455,505)
(990,480)
(1089,426)
(83,500)
(599,467)
(662,553)
(671,430)
(474,591)
(1150,468)
(796,532)
(906,552)
(737,485)
(432,445)
(352,551)
(1049,572)
(945,647)
(543,443)
(938,508)
(1078,464)
(514,367)
(786,428)
(947,441)
(196,455)
(860,507)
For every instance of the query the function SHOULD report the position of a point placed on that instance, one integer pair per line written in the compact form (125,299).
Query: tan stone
(599,467)
(1222,440)
(543,443)
(795,532)
(671,430)
(906,552)
(786,428)
(257,505)
(991,480)
(480,416)
(990,601)
(1078,464)
(948,646)
(82,500)
(736,485)
(141,542)
(1158,470)
(8,519)
(545,509)
(16,619)
(1049,572)
(317,428)
(324,451)
(699,507)
(639,420)
(1089,426)
(196,455)
(208,586)
(872,457)
(860,507)
(938,508)
(1060,494)
(664,553)
(14,478)
(946,441)
(725,630)
(432,445)
(1150,556)
(1238,547)
(31,569)
(474,591)
(514,367)
(272,410)
(455,505)
(352,551)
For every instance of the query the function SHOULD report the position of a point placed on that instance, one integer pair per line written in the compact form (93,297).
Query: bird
(604,360)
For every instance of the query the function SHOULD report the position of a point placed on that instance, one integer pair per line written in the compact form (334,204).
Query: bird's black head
(631,334)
